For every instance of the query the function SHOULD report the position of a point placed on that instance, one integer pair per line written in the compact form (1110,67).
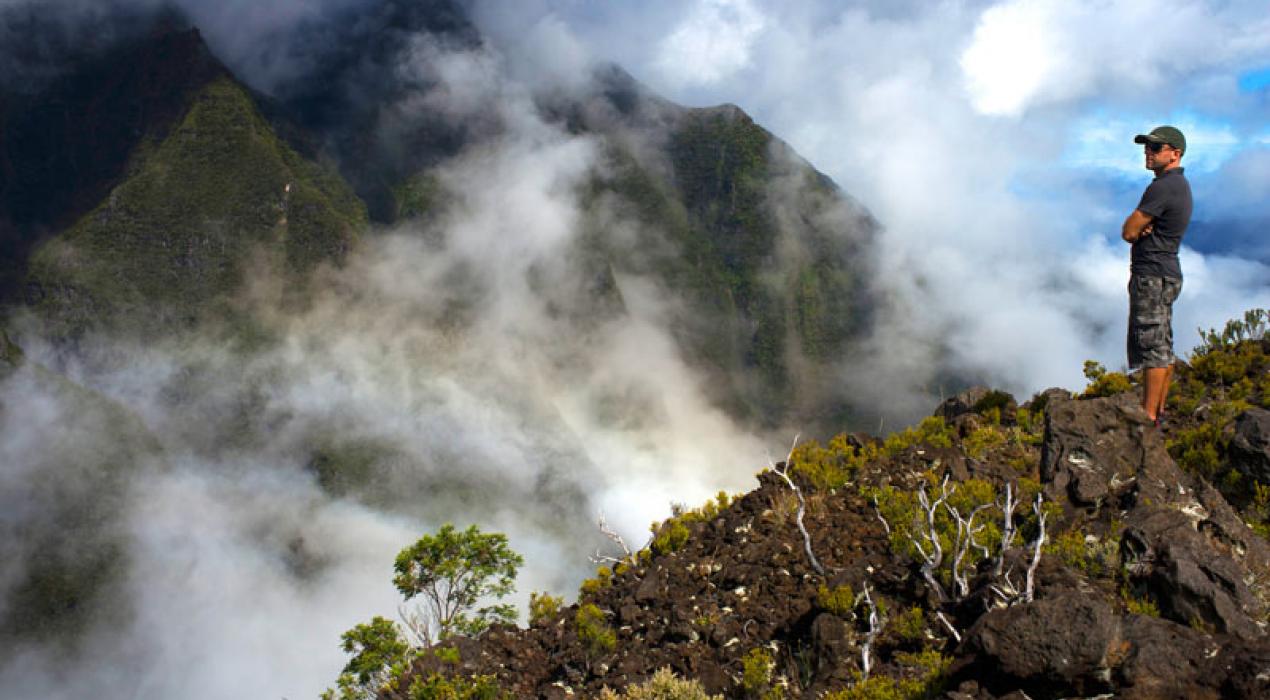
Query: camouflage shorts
(1151,320)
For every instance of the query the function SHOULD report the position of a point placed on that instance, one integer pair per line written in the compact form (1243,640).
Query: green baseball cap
(1164,134)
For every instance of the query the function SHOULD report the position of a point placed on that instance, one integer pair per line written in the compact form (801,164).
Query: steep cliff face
(770,258)
(204,190)
(64,146)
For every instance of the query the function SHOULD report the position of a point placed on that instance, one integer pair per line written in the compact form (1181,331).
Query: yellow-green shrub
(664,685)
(594,631)
(931,676)
(543,607)
(840,600)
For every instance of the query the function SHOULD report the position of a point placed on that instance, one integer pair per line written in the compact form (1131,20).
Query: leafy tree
(451,572)
(379,653)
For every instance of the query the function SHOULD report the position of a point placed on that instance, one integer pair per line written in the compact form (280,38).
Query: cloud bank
(993,141)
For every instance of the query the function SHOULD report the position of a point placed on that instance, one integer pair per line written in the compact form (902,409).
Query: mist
(993,142)
(447,358)
(443,359)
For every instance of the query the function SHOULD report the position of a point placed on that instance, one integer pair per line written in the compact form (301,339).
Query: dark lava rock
(1193,582)
(962,403)
(1094,449)
(1060,643)
(1250,447)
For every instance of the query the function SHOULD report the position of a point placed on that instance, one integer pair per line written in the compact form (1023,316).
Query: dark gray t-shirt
(1168,201)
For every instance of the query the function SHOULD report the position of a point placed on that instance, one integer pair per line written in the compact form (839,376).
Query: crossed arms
(1137,226)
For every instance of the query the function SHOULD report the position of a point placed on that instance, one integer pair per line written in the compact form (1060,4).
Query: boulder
(1094,449)
(1193,582)
(1060,643)
(962,403)
(1250,446)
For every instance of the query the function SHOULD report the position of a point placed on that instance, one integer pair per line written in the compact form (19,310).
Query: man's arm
(1136,226)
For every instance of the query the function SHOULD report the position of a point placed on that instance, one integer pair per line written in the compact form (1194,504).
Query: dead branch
(417,623)
(1007,530)
(866,650)
(627,555)
(802,506)
(956,635)
(966,532)
(932,560)
(878,510)
(1036,549)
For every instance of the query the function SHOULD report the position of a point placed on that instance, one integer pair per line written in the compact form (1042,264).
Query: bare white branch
(1036,548)
(417,623)
(966,532)
(802,506)
(1007,529)
(876,509)
(931,560)
(866,650)
(953,630)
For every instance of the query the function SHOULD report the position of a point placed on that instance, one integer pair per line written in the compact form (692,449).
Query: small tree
(379,652)
(452,571)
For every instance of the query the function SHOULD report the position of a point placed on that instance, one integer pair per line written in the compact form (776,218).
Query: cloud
(1030,53)
(992,141)
(446,359)
(712,42)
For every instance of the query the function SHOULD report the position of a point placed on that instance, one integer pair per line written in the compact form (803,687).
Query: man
(1155,230)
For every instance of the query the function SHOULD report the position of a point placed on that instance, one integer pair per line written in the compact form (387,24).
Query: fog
(445,356)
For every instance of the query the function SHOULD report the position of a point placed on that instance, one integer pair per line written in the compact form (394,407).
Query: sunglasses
(1155,147)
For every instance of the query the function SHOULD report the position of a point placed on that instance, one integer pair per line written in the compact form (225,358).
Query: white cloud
(712,43)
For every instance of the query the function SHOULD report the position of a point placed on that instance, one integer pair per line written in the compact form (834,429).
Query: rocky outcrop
(1250,446)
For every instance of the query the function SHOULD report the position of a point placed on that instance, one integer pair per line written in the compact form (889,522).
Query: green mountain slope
(767,254)
(171,241)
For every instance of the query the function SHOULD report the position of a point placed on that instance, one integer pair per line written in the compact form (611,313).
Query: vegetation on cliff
(173,240)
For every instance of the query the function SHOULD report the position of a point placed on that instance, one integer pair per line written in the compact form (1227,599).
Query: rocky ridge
(1150,583)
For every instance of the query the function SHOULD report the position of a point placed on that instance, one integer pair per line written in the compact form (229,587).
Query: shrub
(543,607)
(978,443)
(831,467)
(756,675)
(910,625)
(672,534)
(439,687)
(840,600)
(931,670)
(662,686)
(593,631)
(931,431)
(380,653)
(603,577)
(1104,383)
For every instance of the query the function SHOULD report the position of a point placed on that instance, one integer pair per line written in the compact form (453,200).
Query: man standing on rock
(1155,230)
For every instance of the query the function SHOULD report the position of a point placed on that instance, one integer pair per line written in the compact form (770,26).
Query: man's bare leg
(1156,389)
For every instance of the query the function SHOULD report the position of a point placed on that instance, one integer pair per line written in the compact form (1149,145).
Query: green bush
(1104,383)
(380,653)
(594,631)
(756,675)
(543,607)
(931,669)
(662,686)
(439,687)
(672,534)
(910,625)
(840,600)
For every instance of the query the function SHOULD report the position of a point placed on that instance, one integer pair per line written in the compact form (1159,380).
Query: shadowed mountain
(64,148)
